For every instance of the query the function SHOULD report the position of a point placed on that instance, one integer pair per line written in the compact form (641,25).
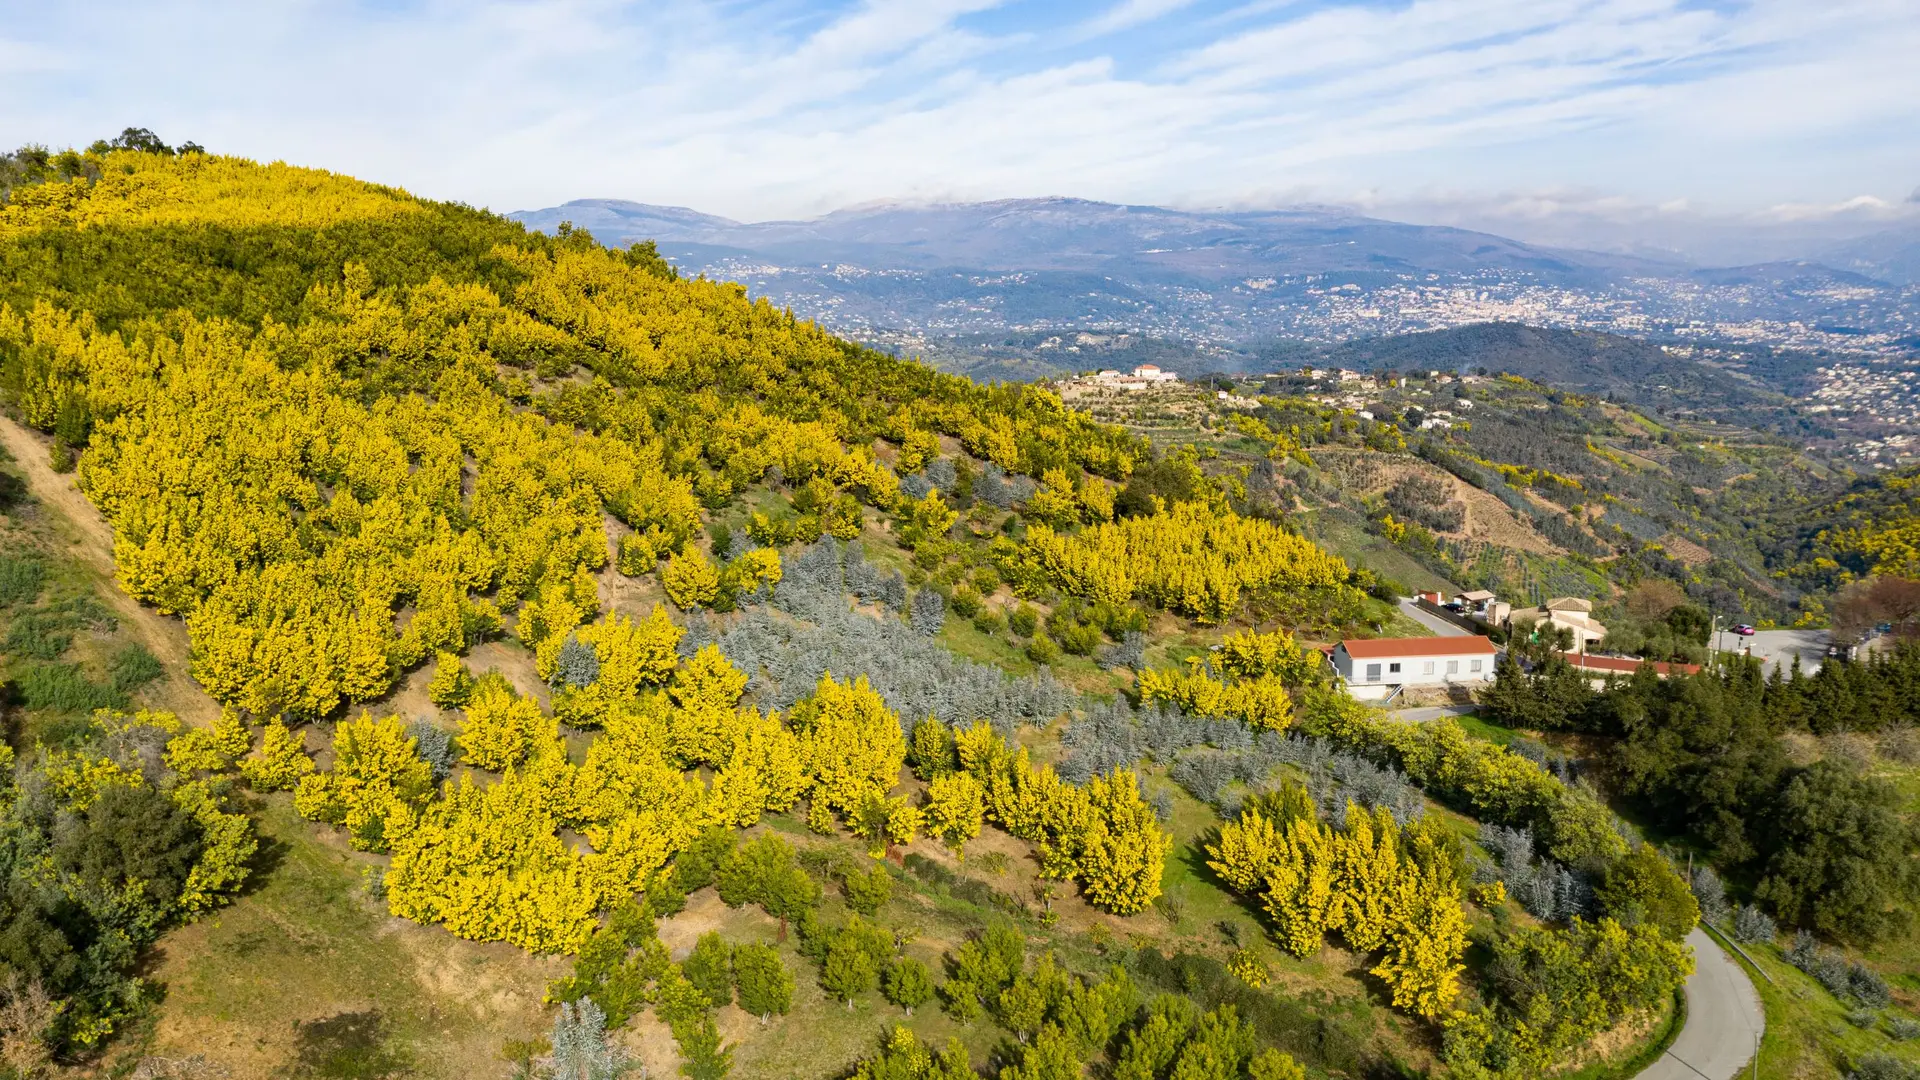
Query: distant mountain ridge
(1067,234)
(1891,255)
(902,275)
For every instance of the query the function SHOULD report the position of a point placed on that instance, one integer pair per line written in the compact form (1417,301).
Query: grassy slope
(308,972)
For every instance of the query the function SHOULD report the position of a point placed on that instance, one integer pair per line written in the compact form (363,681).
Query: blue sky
(1777,109)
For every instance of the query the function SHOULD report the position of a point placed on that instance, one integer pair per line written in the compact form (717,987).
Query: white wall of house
(1415,670)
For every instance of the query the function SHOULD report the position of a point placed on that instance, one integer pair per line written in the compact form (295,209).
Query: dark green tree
(1842,857)
(867,890)
(710,968)
(908,984)
(765,984)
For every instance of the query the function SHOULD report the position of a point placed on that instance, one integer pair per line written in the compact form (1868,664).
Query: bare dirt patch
(1488,520)
(620,594)
(1685,550)
(512,660)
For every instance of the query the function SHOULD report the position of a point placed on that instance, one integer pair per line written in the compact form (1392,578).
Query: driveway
(1777,648)
(1439,626)
(1724,1021)
(1431,712)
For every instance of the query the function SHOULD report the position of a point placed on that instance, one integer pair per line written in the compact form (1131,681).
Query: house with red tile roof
(1373,667)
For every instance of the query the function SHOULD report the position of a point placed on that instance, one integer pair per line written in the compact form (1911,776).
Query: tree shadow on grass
(348,1046)
(268,856)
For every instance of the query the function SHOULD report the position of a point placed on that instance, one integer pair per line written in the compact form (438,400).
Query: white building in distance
(1144,377)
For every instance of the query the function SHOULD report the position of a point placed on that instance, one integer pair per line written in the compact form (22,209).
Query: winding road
(1724,1020)
(1439,626)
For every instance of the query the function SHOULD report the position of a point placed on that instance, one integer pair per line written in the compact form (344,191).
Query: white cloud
(1131,13)
(775,109)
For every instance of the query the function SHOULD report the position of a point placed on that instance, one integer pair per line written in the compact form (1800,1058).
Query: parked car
(1744,630)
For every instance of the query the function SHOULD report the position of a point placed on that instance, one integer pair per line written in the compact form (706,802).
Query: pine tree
(1245,848)
(1151,1047)
(451,683)
(710,968)
(691,580)
(377,776)
(283,760)
(931,751)
(854,749)
(956,805)
(765,984)
(1271,1064)
(1022,1007)
(1422,963)
(929,612)
(1367,872)
(867,890)
(848,968)
(503,729)
(1124,850)
(1299,887)
(908,984)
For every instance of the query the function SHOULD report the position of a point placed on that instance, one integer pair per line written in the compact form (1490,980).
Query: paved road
(1430,712)
(1777,648)
(1435,623)
(1724,1020)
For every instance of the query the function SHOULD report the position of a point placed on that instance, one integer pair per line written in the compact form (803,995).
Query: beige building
(1568,613)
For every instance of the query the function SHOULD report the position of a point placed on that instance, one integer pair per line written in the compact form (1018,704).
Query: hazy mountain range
(910,276)
(1077,235)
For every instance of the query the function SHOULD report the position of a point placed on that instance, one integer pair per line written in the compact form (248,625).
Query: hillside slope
(585,611)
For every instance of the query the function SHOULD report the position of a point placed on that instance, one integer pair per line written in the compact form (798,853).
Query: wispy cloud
(1131,13)
(760,108)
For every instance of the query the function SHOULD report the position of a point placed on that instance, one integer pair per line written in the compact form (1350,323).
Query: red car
(1744,630)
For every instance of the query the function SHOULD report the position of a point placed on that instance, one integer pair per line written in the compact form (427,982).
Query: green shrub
(1023,620)
(37,635)
(1042,650)
(64,688)
(1080,640)
(132,668)
(868,889)
(21,579)
(710,968)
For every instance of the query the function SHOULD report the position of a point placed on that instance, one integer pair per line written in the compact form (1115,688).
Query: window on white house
(1476,667)
(1393,669)
(1426,668)
(1373,672)
(1453,667)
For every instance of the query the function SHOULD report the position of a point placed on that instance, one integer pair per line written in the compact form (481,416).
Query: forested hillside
(1603,365)
(674,646)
